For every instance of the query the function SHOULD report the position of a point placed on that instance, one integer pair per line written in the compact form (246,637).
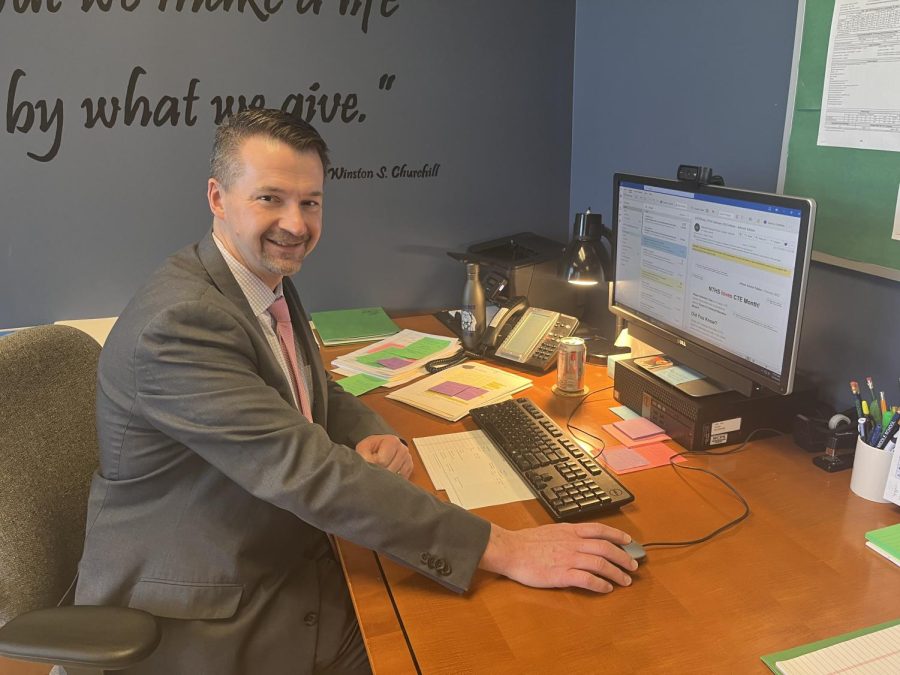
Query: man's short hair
(225,165)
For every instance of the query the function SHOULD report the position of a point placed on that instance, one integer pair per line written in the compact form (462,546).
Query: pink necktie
(279,310)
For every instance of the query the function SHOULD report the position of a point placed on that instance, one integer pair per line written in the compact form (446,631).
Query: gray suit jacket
(214,492)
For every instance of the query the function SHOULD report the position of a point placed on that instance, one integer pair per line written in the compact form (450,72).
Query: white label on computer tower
(718,439)
(724,426)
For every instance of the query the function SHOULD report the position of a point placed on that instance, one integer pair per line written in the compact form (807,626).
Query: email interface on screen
(715,268)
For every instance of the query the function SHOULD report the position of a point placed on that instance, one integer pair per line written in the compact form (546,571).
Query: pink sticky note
(638,427)
(448,388)
(653,455)
(394,362)
(658,454)
(621,459)
(625,439)
(469,393)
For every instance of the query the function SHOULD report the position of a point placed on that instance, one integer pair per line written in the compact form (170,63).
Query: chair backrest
(48,451)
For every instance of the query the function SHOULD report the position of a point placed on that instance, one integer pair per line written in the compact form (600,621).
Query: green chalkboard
(856,190)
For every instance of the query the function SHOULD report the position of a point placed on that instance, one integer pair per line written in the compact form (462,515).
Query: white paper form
(471,470)
(877,653)
(861,95)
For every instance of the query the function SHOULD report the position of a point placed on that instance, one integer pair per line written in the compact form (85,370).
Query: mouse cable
(572,428)
(687,453)
(730,524)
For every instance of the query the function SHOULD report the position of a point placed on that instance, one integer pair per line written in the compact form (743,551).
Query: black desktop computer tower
(702,423)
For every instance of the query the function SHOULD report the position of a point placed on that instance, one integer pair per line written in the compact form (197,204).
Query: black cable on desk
(687,453)
(740,498)
(572,428)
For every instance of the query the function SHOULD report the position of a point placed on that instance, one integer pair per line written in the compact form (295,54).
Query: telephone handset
(527,336)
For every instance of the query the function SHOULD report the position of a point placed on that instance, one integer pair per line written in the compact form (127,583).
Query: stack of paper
(397,359)
(636,431)
(452,393)
(642,446)
(343,326)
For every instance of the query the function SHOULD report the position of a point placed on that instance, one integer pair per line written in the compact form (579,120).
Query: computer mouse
(635,550)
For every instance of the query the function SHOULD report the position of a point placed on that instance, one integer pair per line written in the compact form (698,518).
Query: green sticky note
(424,347)
(360,384)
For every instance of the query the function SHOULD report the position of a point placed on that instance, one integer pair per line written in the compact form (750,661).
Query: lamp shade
(585,259)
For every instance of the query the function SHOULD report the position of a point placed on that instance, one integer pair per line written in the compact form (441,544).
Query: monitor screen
(718,273)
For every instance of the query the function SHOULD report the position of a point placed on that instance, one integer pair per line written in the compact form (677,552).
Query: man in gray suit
(225,460)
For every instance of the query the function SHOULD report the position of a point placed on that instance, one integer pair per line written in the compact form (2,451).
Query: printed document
(471,470)
(861,96)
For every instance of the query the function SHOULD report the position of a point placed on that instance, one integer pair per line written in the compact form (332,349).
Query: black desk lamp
(586,261)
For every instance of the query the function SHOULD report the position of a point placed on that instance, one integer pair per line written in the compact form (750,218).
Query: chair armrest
(82,636)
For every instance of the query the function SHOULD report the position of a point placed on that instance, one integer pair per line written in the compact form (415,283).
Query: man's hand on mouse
(582,555)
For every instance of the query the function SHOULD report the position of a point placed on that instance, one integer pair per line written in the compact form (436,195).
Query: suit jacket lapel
(222,277)
(224,280)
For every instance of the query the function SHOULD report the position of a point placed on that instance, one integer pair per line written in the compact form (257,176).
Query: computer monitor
(714,277)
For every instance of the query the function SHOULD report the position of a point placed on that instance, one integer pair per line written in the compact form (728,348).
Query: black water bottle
(472,313)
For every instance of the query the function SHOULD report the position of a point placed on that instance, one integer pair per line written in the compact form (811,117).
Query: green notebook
(341,326)
(886,540)
(771,659)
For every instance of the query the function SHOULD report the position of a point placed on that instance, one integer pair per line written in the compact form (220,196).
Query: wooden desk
(795,571)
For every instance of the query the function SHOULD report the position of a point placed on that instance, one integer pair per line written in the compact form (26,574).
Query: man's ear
(214,194)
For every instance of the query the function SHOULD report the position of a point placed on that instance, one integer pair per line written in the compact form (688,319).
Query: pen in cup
(874,436)
(857,399)
(890,430)
(874,404)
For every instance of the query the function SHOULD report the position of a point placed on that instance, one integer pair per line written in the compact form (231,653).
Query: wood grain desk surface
(795,571)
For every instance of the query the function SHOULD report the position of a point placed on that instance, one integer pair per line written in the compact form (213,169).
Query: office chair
(48,451)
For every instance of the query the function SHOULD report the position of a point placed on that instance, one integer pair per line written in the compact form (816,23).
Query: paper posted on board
(860,105)
(895,233)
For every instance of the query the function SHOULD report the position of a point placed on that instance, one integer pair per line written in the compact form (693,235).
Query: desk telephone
(527,336)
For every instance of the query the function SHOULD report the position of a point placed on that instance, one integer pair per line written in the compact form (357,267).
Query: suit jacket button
(310,619)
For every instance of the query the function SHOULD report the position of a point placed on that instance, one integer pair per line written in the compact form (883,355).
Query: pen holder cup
(870,472)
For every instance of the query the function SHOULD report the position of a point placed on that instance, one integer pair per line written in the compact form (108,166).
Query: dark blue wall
(483,89)
(706,82)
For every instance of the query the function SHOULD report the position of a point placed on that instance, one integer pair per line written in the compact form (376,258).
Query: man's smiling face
(270,216)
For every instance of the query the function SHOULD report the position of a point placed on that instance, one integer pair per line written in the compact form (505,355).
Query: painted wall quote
(44,118)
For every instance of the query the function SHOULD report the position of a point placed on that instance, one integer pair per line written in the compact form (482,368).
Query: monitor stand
(681,377)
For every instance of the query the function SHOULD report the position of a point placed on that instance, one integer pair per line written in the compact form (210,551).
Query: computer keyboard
(567,482)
